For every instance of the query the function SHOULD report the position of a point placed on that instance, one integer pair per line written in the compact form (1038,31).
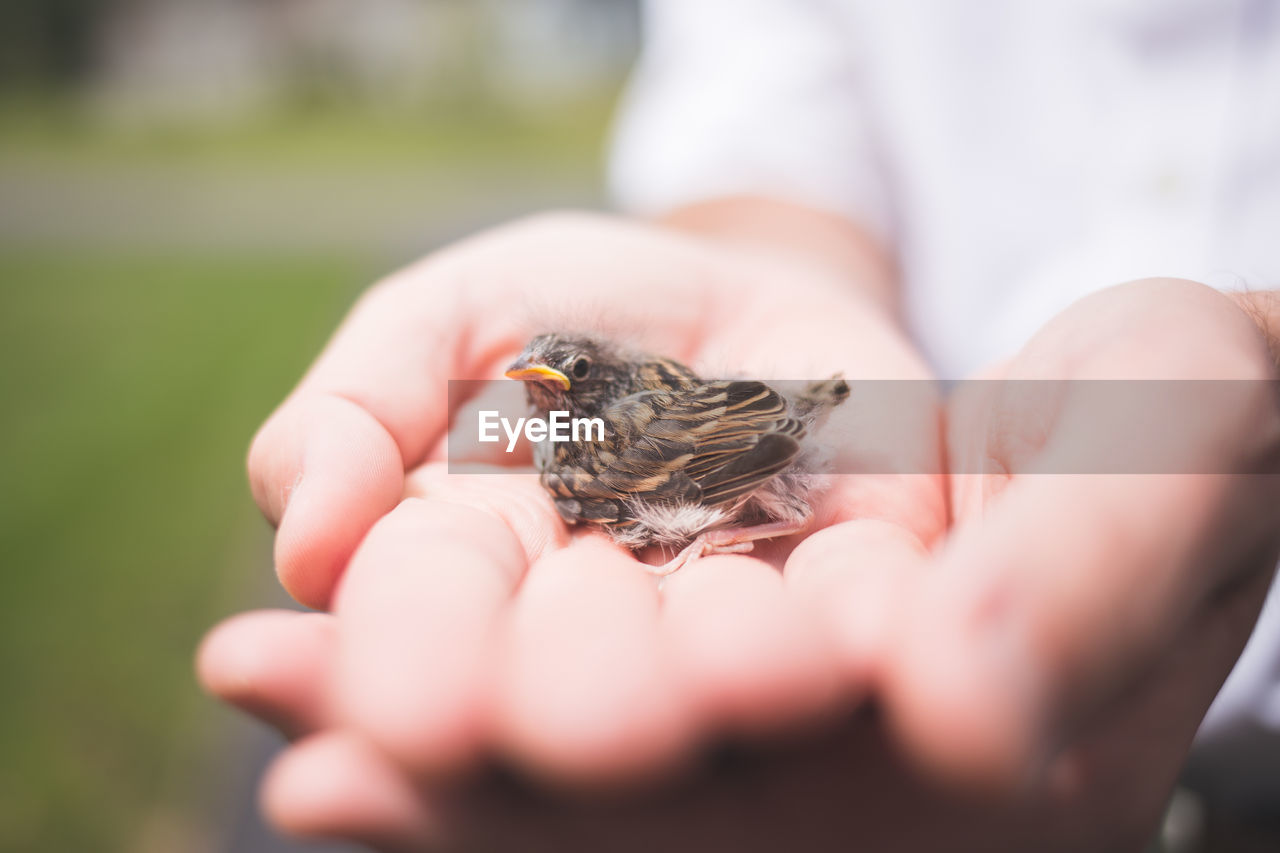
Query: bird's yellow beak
(537,373)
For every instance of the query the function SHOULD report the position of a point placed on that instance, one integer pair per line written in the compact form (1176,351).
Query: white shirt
(1016,155)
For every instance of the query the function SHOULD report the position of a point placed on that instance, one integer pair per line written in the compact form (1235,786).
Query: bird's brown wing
(744,436)
(707,443)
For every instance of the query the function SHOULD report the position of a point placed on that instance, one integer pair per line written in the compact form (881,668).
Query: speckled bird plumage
(681,456)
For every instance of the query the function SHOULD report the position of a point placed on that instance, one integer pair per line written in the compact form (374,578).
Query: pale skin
(467,624)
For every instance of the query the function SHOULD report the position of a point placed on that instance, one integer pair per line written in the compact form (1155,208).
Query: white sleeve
(755,97)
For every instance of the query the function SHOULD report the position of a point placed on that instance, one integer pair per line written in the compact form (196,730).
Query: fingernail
(287,494)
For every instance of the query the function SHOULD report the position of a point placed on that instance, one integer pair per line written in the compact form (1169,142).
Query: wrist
(798,234)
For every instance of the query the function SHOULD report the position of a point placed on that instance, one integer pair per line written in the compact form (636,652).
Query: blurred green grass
(457,135)
(132,384)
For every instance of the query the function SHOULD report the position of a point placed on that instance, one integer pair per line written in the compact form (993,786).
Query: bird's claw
(704,546)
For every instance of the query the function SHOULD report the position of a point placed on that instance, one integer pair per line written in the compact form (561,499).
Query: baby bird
(709,465)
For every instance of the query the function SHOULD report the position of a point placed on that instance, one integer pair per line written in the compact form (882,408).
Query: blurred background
(191,194)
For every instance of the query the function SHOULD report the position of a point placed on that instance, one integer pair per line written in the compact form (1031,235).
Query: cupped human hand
(1114,538)
(468,623)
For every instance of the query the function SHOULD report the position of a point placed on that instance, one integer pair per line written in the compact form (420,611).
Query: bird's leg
(729,540)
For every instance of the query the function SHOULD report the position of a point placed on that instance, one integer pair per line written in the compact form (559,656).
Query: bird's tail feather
(819,398)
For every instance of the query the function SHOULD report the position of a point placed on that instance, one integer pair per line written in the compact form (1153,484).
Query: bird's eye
(581,368)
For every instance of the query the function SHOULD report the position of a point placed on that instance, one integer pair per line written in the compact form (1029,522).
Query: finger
(583,695)
(1063,594)
(855,579)
(1149,732)
(743,649)
(517,499)
(331,459)
(916,503)
(403,341)
(274,664)
(335,785)
(417,610)
(978,471)
(337,470)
